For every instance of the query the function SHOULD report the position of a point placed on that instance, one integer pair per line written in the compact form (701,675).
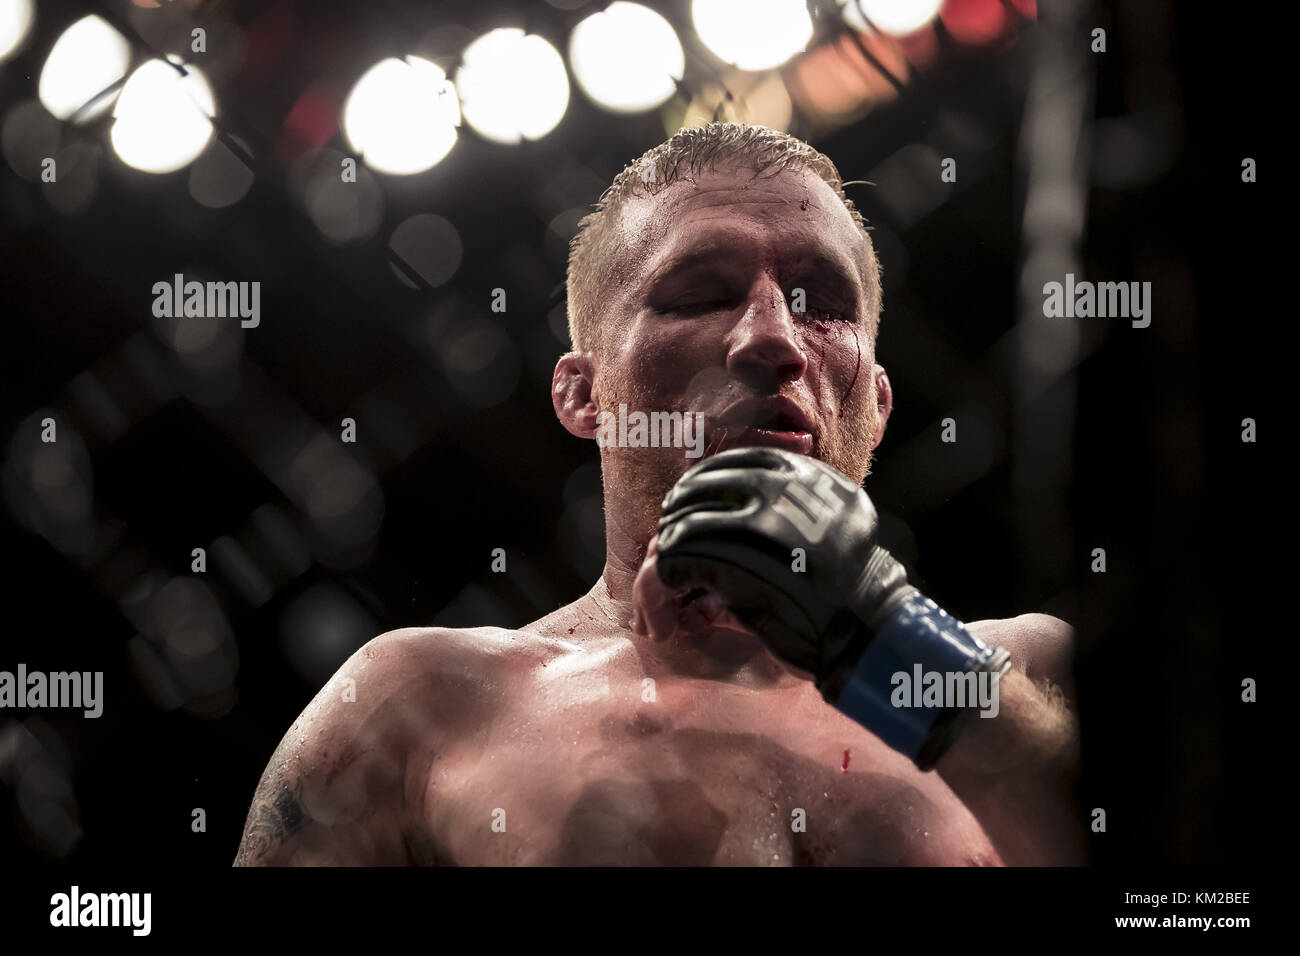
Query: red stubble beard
(636,480)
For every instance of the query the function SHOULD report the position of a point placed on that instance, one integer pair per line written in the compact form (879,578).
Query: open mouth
(767,423)
(795,441)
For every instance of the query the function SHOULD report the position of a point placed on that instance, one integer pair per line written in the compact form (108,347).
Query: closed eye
(701,307)
(813,314)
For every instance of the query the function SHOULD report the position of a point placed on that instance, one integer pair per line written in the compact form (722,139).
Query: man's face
(704,317)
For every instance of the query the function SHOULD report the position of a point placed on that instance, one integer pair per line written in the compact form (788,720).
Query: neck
(719,654)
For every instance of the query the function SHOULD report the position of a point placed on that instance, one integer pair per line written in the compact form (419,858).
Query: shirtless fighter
(723,693)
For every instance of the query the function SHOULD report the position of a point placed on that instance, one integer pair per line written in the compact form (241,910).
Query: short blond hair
(595,254)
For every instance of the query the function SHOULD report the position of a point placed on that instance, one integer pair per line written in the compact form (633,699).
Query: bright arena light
(162,119)
(15,21)
(895,17)
(512,86)
(626,58)
(86,59)
(402,116)
(753,34)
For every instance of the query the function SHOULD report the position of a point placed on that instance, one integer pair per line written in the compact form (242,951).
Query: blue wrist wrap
(918,634)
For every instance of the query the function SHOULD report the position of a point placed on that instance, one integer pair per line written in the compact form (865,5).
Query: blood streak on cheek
(819,344)
(858,368)
(845,766)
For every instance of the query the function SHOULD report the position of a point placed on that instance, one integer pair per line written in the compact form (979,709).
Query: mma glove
(791,545)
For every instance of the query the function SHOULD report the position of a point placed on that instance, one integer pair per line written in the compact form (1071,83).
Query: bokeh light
(895,17)
(29,135)
(753,34)
(342,503)
(343,211)
(49,485)
(975,21)
(402,116)
(36,765)
(78,178)
(87,59)
(162,119)
(185,654)
(220,178)
(626,58)
(837,82)
(479,359)
(15,22)
(430,246)
(321,628)
(513,86)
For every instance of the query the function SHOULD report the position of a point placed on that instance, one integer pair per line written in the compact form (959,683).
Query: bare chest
(600,775)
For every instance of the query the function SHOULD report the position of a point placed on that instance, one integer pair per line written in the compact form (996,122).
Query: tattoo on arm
(277,814)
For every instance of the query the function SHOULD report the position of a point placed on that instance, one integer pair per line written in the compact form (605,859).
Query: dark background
(314,546)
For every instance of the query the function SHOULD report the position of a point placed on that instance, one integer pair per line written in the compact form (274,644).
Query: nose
(764,352)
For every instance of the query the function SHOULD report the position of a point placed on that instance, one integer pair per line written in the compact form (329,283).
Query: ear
(884,402)
(572,394)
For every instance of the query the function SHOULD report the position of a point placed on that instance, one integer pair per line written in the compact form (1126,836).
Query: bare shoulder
(409,675)
(1042,646)
(346,782)
(418,652)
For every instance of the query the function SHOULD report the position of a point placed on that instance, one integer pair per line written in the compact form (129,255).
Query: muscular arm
(345,785)
(1015,771)
(308,812)
(276,816)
